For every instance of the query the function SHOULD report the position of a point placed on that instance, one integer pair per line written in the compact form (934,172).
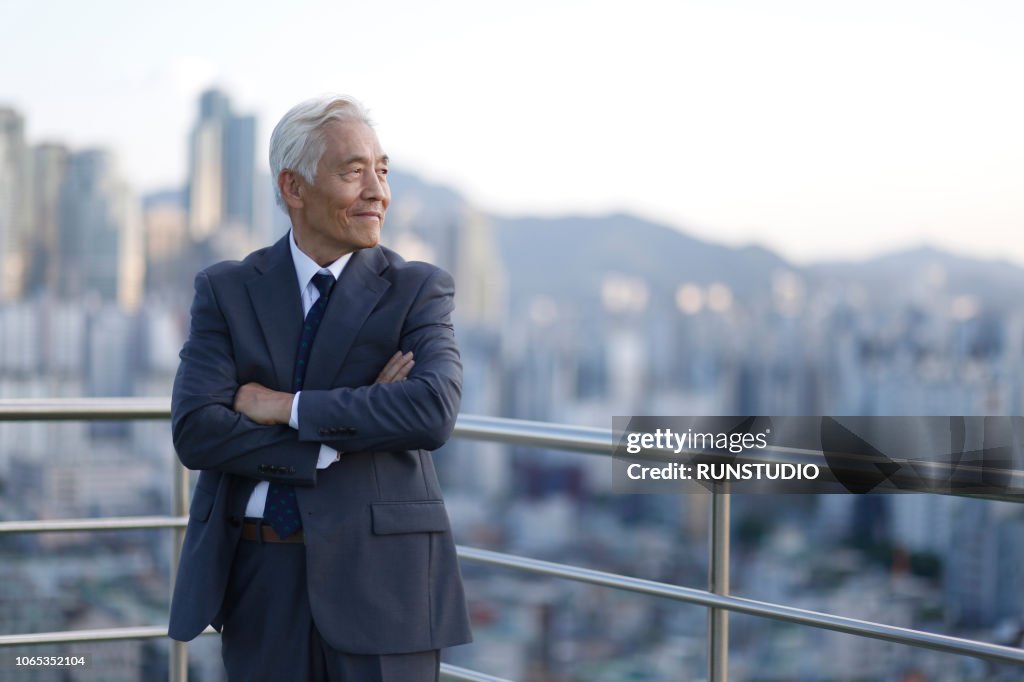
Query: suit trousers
(269,635)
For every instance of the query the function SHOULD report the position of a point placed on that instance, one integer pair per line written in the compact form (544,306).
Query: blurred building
(48,170)
(222,170)
(167,245)
(13,208)
(101,248)
(983,583)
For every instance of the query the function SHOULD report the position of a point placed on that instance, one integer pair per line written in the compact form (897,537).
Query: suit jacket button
(234,521)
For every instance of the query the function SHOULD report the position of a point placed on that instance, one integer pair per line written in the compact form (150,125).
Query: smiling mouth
(369,214)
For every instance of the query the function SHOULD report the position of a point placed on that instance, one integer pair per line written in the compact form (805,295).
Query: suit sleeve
(418,413)
(207,432)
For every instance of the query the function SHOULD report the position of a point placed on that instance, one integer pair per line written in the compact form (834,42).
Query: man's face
(343,210)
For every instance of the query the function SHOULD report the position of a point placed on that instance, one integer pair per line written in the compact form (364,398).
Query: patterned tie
(282,511)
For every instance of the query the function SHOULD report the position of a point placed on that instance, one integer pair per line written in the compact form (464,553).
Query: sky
(821,130)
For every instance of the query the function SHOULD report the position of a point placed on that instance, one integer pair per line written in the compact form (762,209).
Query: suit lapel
(352,300)
(276,299)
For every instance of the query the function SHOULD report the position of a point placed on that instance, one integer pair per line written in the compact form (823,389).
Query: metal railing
(595,441)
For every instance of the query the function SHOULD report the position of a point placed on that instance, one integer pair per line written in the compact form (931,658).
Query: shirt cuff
(328,456)
(293,420)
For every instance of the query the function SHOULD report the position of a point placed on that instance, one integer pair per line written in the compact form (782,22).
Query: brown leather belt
(252,530)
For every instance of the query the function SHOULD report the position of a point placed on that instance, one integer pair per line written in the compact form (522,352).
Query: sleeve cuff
(293,420)
(328,456)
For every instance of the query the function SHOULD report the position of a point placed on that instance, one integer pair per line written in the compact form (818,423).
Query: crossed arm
(268,407)
(218,424)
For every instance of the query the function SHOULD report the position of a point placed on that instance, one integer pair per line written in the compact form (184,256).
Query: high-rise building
(101,244)
(222,168)
(13,208)
(48,167)
(166,225)
(240,169)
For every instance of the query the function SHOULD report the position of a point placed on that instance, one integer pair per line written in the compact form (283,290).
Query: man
(317,375)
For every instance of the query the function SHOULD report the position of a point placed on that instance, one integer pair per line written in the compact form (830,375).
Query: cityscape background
(697,207)
(570,319)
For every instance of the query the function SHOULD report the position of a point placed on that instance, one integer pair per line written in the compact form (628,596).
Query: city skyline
(612,315)
(817,132)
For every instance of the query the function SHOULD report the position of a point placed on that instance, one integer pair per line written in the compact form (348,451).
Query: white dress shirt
(305,268)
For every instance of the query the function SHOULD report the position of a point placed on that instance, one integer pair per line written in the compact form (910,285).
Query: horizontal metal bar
(78,409)
(536,434)
(453,672)
(107,635)
(112,523)
(102,635)
(919,638)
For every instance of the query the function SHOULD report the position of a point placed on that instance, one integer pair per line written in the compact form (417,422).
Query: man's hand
(263,405)
(397,369)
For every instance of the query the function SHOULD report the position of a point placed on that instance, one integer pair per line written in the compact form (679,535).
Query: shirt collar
(306,267)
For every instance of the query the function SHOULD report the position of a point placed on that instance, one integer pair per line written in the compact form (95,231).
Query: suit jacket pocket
(202,503)
(393,518)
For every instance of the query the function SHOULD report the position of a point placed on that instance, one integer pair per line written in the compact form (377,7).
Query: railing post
(179,507)
(718,583)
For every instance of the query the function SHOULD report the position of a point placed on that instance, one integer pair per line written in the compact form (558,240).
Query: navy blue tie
(282,511)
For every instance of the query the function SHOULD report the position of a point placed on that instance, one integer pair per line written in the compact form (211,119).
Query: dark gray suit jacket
(381,566)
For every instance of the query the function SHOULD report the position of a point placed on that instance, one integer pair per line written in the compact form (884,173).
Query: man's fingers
(404,370)
(382,376)
(398,368)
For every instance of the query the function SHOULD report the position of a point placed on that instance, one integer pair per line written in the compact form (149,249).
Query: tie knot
(324,282)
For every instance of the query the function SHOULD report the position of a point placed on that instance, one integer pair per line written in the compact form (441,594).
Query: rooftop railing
(716,598)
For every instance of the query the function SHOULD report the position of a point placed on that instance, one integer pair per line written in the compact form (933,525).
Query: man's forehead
(353,138)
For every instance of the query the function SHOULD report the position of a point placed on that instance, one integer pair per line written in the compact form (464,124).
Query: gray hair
(297,142)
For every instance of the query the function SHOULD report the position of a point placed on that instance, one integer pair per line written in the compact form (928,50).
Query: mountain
(567,257)
(995,282)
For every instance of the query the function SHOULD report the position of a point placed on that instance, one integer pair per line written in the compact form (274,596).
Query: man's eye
(383,171)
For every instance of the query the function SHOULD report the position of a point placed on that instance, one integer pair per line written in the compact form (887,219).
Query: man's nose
(373,187)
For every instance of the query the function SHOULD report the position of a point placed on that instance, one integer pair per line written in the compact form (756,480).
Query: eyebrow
(385,159)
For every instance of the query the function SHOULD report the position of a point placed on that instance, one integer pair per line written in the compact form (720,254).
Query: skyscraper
(101,247)
(48,167)
(222,169)
(13,208)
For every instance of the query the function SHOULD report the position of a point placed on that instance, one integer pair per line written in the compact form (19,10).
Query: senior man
(318,375)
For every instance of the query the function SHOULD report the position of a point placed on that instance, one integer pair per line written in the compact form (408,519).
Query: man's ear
(290,184)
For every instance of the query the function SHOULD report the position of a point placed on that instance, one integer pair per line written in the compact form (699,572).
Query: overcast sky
(819,129)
